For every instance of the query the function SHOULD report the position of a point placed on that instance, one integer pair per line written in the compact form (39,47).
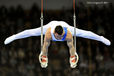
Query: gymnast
(58,31)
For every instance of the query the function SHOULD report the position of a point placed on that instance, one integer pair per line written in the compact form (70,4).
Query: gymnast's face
(59,32)
(59,37)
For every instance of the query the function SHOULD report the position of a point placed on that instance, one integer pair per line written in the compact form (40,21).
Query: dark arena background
(20,58)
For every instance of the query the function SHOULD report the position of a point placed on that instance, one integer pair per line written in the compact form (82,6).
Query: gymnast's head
(59,32)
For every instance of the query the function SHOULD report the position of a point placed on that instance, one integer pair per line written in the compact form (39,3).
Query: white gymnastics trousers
(53,24)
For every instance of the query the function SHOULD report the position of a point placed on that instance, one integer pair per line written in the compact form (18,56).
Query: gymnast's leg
(89,35)
(25,34)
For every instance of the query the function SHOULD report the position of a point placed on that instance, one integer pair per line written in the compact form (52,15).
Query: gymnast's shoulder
(69,35)
(48,33)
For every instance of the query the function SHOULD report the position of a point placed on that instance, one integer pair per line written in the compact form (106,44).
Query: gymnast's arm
(46,43)
(23,34)
(71,47)
(70,44)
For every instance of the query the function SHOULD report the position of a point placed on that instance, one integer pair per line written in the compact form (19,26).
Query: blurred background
(20,58)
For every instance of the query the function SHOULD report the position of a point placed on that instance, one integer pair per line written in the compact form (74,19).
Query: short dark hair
(59,30)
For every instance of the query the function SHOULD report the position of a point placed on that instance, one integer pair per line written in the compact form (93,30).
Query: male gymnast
(58,31)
